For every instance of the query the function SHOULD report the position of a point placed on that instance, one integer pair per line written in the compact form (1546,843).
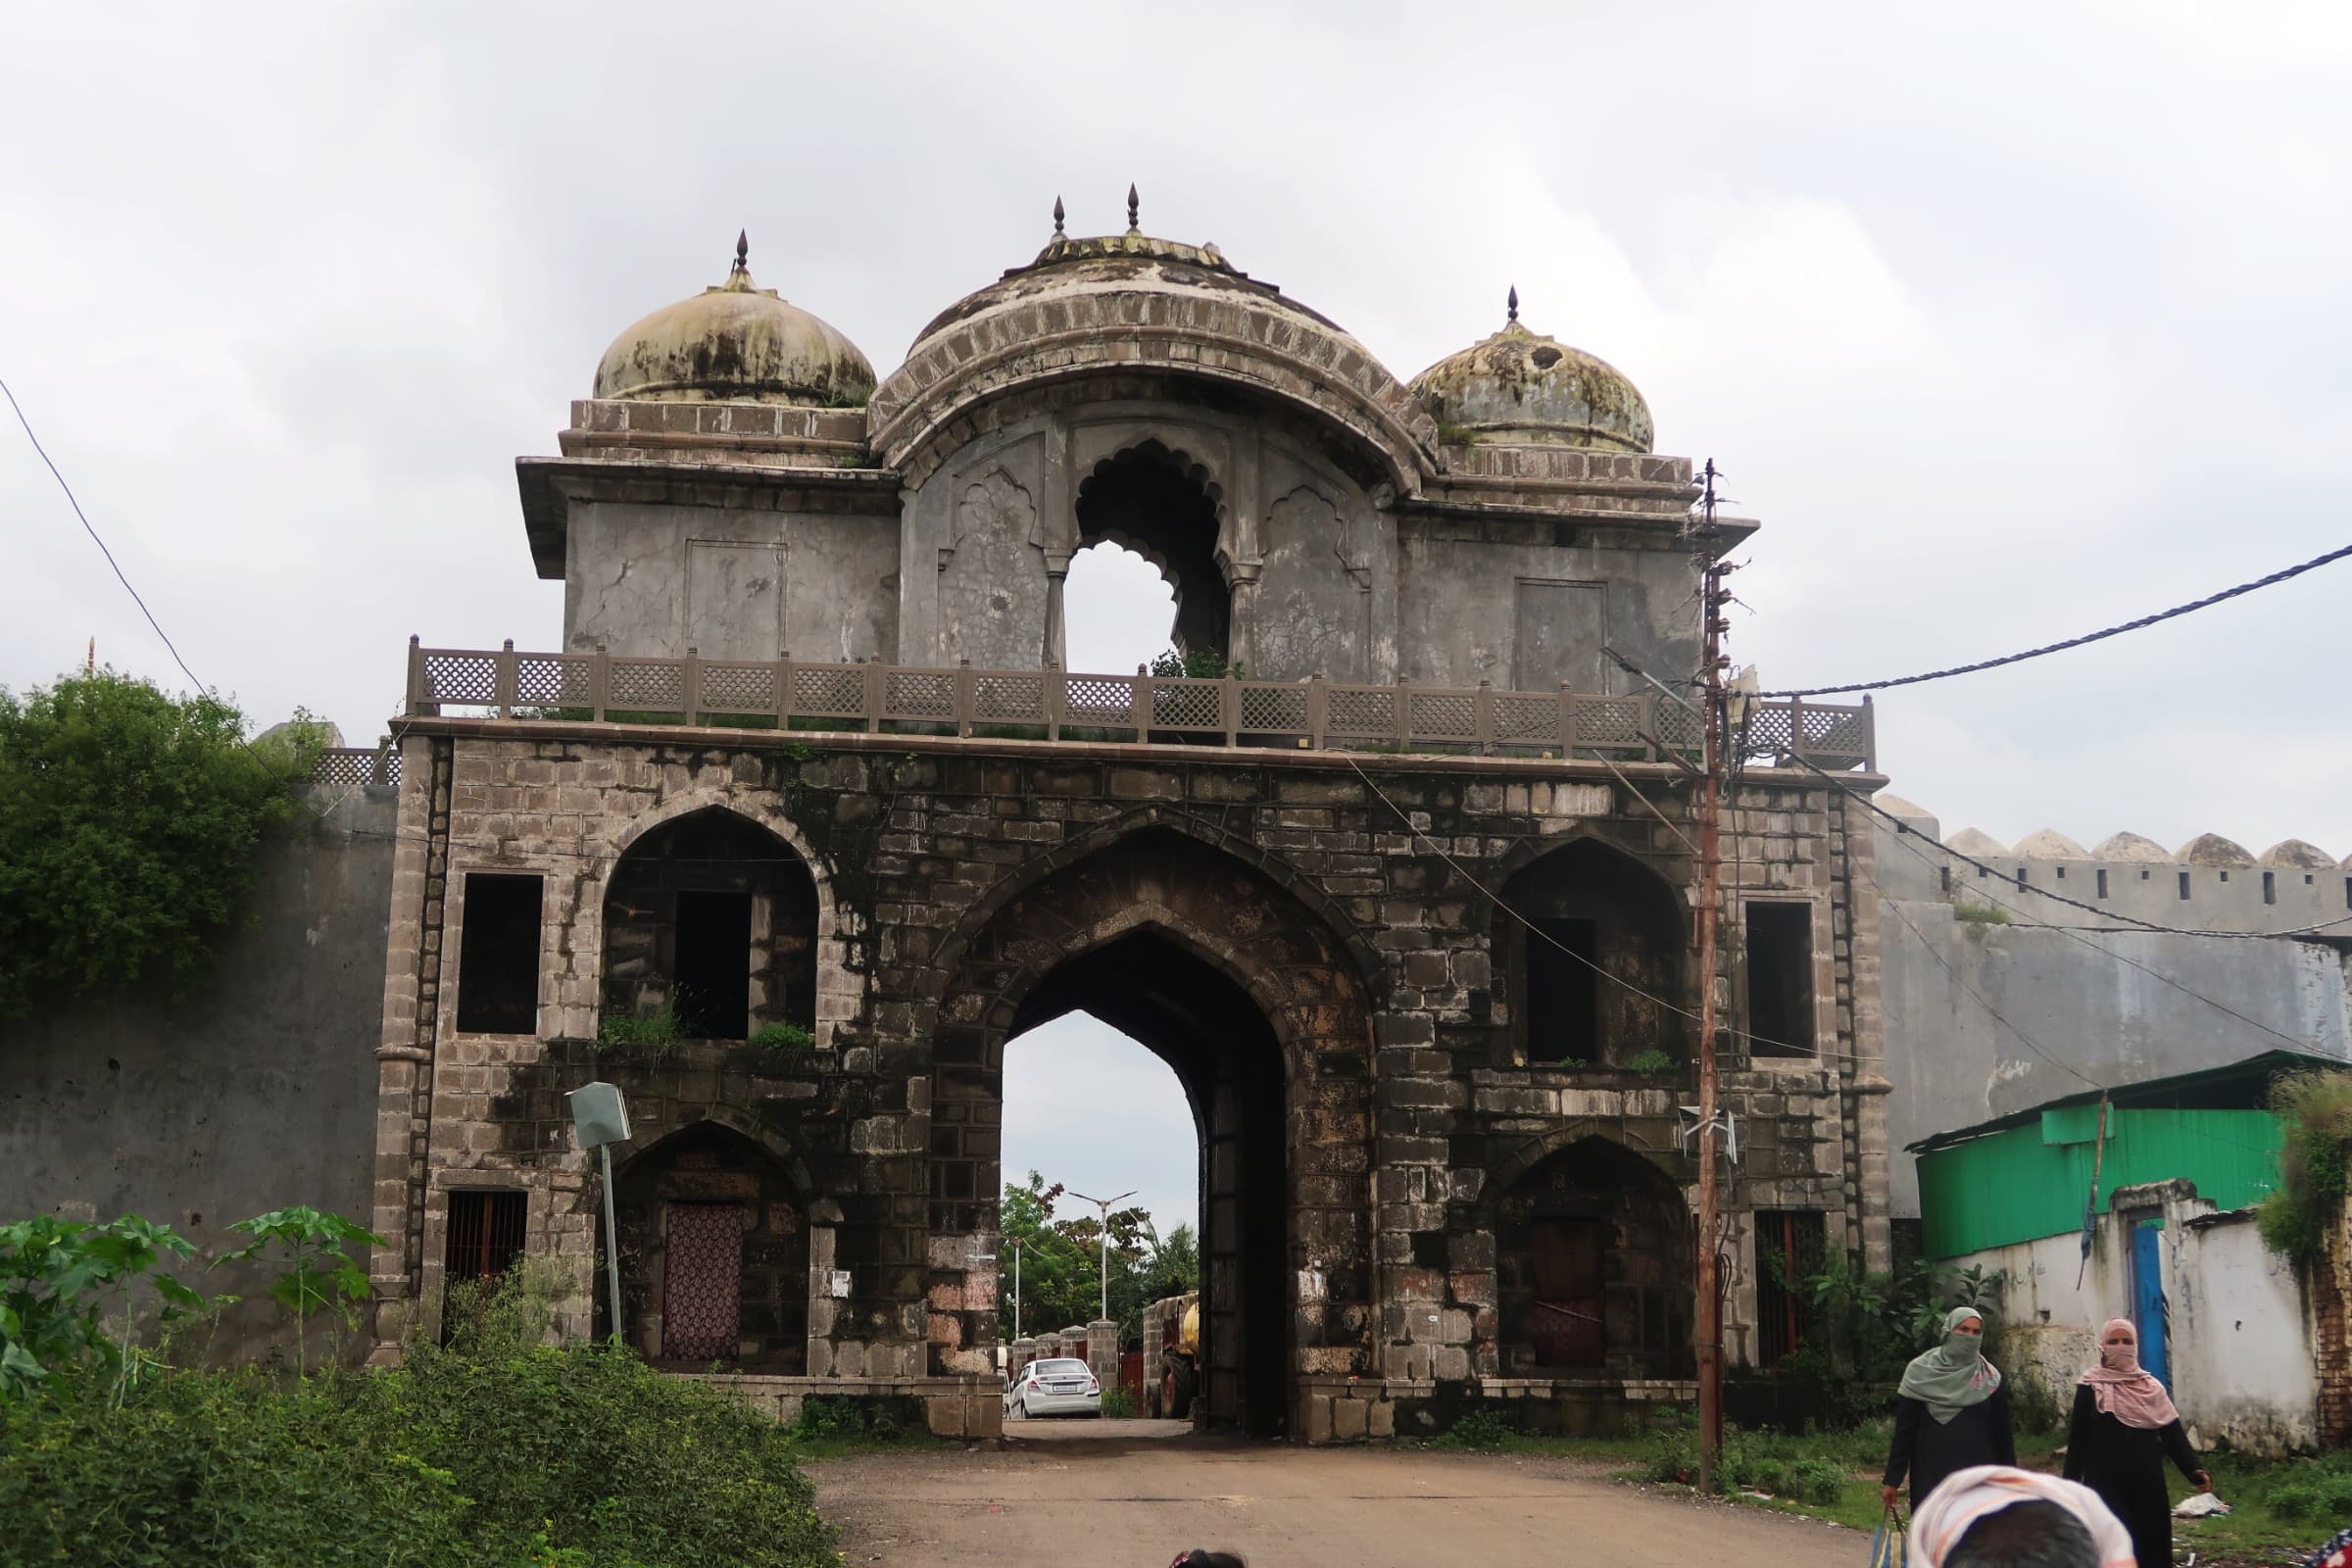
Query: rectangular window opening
(1563,992)
(1947,880)
(2021,876)
(1779,979)
(1790,1243)
(2184,884)
(2144,873)
(713,973)
(485,1233)
(498,955)
(2270,887)
(2102,884)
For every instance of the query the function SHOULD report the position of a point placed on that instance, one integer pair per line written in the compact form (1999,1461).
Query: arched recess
(1598,967)
(713,916)
(1594,1250)
(1164,506)
(1256,1006)
(713,1249)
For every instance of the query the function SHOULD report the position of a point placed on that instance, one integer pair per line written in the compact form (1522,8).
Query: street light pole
(1105,1204)
(1018,1243)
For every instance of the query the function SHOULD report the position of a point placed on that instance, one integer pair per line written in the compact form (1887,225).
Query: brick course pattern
(1342,913)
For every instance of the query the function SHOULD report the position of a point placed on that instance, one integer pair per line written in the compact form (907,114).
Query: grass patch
(782,1039)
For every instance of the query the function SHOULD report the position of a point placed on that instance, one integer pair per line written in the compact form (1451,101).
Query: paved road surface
(1130,1493)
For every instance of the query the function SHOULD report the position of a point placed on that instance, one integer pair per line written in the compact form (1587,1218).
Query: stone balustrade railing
(1052,705)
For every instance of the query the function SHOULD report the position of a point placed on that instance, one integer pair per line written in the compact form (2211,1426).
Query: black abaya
(1929,1450)
(2125,1466)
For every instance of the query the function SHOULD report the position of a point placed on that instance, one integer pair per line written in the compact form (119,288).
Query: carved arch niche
(1313,611)
(991,574)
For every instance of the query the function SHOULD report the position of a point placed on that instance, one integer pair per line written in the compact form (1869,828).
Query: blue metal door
(2147,1298)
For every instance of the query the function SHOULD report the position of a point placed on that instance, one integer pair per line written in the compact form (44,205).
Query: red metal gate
(1567,1328)
(701,1290)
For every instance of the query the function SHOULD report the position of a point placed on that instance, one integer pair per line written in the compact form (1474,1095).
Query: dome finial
(1513,302)
(1134,207)
(743,250)
(1058,217)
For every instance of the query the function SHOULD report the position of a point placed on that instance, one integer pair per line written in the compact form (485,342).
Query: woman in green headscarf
(1951,1413)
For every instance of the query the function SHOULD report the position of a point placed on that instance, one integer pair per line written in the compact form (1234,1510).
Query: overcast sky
(2008,321)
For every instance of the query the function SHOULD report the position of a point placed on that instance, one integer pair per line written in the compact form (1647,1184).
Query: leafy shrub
(782,1037)
(581,1455)
(1652,1061)
(650,1031)
(1117,1404)
(841,1419)
(320,1273)
(1479,1428)
(2326,1499)
(1198,664)
(2314,1112)
(1820,1482)
(58,1279)
(128,820)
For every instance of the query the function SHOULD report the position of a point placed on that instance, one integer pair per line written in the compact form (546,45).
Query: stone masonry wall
(917,845)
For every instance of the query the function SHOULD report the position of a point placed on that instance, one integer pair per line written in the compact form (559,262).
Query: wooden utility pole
(1710,811)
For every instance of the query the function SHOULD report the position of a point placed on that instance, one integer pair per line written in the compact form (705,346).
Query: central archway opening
(1227,1065)
(1161,506)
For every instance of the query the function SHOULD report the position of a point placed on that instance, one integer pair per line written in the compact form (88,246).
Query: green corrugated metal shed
(2030,1180)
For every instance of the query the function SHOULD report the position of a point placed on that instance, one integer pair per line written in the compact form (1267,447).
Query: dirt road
(1130,1493)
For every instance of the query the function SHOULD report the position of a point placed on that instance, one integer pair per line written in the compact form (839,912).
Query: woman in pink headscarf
(2125,1427)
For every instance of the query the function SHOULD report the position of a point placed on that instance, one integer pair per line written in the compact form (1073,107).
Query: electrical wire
(2087,638)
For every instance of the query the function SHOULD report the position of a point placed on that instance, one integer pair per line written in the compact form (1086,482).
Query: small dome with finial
(1520,388)
(735,343)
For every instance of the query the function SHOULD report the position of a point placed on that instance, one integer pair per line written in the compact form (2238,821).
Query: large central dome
(1130,304)
(735,343)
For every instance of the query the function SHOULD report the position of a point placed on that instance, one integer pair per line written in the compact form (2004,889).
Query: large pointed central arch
(1259,1006)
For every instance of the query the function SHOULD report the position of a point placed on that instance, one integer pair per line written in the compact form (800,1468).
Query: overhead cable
(2082,641)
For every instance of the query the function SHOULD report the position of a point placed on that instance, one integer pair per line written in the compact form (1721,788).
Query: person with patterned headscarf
(2337,1554)
(1997,1514)
(1952,1411)
(2125,1428)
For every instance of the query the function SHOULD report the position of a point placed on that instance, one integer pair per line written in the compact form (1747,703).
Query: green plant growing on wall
(58,1281)
(128,820)
(652,1032)
(1652,1063)
(782,1039)
(2314,1115)
(1193,664)
(1979,913)
(320,1275)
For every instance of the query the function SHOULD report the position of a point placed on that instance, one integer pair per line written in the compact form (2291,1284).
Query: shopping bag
(1886,1547)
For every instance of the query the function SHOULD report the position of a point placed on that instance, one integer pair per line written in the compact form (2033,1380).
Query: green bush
(1652,1061)
(1117,1404)
(1480,1429)
(2326,1499)
(2314,1112)
(1820,1482)
(128,821)
(581,1454)
(782,1037)
(655,1032)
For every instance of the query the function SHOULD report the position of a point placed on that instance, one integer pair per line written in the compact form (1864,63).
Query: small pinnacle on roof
(742,253)
(1058,217)
(1515,302)
(1134,207)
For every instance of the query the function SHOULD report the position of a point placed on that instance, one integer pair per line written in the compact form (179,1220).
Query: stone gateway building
(807,821)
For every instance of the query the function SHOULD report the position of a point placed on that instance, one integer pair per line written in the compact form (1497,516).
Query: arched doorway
(713,1248)
(1600,948)
(1163,506)
(711,921)
(1594,1268)
(1258,1009)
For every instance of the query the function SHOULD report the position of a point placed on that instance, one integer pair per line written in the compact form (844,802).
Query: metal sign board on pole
(600,1118)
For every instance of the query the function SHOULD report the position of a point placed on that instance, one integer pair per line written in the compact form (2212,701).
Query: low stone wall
(954,1408)
(1362,1409)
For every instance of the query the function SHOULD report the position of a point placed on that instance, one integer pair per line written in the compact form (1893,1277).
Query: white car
(1056,1386)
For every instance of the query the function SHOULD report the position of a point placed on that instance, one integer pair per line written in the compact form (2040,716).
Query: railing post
(691,693)
(1796,726)
(419,696)
(1319,710)
(1140,704)
(600,683)
(1229,705)
(963,697)
(505,680)
(1405,714)
(1567,723)
(876,690)
(379,772)
(1482,715)
(783,693)
(1870,733)
(1648,720)
(1056,697)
